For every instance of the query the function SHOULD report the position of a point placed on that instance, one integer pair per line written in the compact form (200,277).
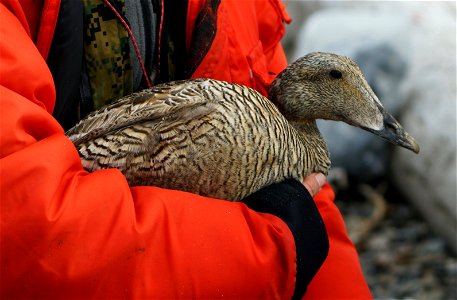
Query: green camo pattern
(106,52)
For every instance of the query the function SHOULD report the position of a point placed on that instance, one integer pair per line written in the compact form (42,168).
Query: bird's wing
(179,100)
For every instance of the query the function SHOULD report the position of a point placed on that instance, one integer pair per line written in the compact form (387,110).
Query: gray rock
(299,11)
(429,180)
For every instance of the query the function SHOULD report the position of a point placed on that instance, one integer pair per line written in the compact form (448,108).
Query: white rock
(429,180)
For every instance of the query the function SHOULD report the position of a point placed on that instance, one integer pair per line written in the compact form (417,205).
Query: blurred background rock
(401,208)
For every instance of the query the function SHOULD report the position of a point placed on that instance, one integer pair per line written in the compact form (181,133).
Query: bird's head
(330,86)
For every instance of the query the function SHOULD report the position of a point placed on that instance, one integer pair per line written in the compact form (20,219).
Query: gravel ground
(401,257)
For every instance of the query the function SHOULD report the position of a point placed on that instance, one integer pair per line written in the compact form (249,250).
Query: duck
(225,140)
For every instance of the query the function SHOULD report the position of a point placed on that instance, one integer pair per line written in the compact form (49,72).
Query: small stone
(431,247)
(412,232)
(404,254)
(380,242)
(451,267)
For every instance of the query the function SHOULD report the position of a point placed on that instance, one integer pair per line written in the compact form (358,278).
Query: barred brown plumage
(226,140)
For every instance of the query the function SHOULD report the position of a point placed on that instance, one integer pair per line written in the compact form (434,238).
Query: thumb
(314,182)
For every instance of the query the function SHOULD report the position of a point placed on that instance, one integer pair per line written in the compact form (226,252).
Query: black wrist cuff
(291,201)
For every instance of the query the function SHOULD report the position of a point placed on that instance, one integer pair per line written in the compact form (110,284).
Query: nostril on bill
(391,127)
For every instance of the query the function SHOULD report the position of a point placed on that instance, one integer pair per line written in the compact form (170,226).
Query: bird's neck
(315,148)
(308,129)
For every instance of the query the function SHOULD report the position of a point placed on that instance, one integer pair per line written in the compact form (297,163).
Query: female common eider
(226,140)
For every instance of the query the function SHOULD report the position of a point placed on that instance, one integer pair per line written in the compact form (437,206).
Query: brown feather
(225,140)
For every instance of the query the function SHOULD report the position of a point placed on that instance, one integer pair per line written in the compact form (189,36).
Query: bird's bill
(394,133)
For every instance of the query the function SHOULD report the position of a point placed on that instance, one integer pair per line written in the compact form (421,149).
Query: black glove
(291,201)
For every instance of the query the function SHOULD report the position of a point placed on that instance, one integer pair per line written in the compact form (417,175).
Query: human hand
(314,182)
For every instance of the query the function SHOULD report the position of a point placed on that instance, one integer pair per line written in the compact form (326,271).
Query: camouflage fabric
(106,52)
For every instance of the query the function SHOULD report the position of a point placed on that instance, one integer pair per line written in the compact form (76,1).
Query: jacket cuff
(291,201)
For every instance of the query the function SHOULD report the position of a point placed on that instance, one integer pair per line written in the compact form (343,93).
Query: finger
(314,182)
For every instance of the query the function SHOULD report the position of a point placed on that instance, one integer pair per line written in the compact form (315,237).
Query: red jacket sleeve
(340,277)
(66,232)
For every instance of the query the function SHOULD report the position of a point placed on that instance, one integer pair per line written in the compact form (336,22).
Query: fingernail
(320,179)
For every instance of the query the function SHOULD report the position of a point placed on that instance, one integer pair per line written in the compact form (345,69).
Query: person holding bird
(66,232)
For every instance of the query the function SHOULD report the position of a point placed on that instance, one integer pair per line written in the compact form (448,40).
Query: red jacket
(67,233)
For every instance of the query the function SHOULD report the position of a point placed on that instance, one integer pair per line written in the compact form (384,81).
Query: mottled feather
(226,140)
(192,136)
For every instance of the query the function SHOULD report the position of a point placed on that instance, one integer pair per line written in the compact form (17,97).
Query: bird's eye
(335,74)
